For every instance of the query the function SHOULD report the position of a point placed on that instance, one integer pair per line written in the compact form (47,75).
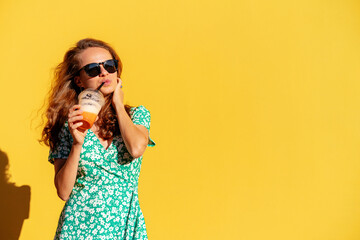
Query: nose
(103,71)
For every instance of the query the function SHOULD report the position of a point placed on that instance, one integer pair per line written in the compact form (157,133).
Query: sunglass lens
(92,70)
(110,66)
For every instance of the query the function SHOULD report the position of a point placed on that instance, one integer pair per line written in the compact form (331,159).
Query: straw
(100,86)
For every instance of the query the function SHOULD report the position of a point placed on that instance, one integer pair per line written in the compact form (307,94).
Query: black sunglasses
(93,69)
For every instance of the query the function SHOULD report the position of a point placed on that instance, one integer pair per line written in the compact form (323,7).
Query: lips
(107,82)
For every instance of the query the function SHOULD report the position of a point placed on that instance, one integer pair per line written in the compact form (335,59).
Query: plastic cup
(91,102)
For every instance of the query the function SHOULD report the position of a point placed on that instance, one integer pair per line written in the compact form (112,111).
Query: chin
(107,91)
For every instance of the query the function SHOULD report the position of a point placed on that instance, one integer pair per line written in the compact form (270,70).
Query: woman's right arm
(65,172)
(66,169)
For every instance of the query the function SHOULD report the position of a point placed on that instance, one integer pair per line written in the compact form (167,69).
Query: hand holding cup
(74,120)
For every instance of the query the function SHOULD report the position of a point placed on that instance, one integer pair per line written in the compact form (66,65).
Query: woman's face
(96,55)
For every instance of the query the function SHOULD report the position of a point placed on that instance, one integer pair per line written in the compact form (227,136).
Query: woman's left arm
(136,137)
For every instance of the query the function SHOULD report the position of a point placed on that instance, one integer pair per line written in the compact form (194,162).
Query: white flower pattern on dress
(104,201)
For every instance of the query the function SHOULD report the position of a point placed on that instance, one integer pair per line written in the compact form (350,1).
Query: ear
(77,81)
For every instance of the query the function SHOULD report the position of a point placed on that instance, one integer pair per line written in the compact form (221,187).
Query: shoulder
(140,115)
(140,108)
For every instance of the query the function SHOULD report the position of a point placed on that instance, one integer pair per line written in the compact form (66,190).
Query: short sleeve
(141,116)
(63,147)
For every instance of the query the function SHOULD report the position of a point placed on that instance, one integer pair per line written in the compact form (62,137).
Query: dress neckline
(109,146)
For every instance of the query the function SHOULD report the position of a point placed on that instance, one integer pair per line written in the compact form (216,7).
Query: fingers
(74,116)
(75,125)
(75,111)
(75,107)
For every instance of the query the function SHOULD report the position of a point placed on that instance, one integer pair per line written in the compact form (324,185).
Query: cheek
(89,84)
(92,81)
(86,82)
(115,82)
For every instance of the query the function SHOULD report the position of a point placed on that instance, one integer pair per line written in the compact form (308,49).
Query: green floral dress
(104,202)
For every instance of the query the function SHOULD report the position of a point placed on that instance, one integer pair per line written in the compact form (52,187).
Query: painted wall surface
(254,104)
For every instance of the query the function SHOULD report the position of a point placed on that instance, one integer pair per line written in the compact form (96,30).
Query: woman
(96,170)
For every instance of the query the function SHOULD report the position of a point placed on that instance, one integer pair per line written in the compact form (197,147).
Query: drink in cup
(91,102)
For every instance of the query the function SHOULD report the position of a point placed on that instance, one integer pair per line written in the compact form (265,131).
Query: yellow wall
(254,109)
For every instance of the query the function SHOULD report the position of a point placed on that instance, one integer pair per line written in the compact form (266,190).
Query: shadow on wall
(14,203)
